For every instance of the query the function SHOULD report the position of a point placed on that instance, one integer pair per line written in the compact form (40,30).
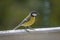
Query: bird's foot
(26,30)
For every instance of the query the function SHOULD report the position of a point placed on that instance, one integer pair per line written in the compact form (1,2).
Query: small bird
(28,21)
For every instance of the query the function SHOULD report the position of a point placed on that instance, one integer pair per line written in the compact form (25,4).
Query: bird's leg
(26,29)
(30,27)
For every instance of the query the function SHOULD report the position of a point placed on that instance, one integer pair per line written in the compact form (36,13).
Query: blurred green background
(12,12)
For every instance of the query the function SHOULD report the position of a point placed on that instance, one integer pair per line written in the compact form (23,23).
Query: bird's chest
(30,22)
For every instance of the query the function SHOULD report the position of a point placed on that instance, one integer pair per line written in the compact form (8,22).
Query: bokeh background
(12,12)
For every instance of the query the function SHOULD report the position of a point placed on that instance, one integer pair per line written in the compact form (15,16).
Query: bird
(28,21)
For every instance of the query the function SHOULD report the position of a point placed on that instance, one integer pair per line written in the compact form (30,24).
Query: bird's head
(33,13)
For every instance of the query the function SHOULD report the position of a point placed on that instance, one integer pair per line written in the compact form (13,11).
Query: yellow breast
(30,22)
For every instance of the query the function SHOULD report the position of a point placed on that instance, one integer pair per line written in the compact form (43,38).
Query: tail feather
(17,27)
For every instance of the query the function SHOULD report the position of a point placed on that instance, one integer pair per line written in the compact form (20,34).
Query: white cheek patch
(34,14)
